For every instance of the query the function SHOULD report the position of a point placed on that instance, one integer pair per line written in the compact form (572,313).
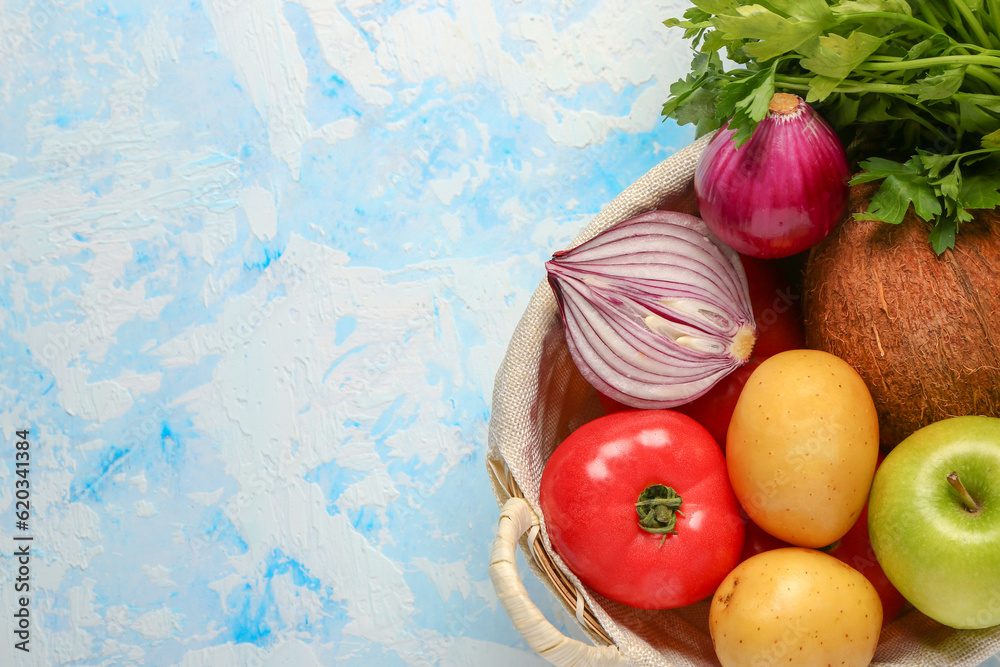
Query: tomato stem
(970,503)
(658,508)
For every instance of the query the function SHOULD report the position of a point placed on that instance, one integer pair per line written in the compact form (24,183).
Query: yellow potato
(795,607)
(802,447)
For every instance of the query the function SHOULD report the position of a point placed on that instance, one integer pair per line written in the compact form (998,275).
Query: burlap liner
(539,398)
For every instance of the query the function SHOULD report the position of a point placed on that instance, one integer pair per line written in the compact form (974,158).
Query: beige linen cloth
(539,397)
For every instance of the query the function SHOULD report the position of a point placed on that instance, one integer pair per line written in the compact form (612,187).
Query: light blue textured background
(260,261)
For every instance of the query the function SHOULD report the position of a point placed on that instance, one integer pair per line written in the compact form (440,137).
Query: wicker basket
(539,398)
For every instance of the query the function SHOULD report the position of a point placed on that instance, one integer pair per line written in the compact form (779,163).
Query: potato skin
(802,447)
(796,607)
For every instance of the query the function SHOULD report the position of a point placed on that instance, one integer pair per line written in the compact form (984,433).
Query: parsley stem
(977,66)
(973,22)
(955,21)
(802,83)
(927,11)
(926,63)
(986,76)
(899,18)
(993,10)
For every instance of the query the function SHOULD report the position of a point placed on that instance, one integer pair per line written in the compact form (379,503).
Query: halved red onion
(656,309)
(783,190)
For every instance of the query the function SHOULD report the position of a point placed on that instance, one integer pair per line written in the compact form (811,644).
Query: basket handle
(516,518)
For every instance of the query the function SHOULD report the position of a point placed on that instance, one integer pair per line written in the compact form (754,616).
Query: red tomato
(589,490)
(855,549)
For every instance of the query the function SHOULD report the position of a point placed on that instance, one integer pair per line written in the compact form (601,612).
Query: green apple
(934,520)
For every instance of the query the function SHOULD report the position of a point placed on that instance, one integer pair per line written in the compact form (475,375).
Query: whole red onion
(782,191)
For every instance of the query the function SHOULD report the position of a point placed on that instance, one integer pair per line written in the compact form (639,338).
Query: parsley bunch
(921,77)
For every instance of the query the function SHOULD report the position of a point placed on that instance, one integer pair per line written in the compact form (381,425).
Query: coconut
(922,330)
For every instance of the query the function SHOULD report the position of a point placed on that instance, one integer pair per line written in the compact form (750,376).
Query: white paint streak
(206,498)
(158,624)
(339,130)
(452,225)
(117,618)
(345,50)
(81,605)
(375,490)
(73,531)
(447,578)
(297,605)
(144,508)
(68,646)
(120,650)
(464,651)
(159,575)
(261,212)
(261,45)
(286,652)
(155,44)
(448,188)
(465,49)
(7,163)
(139,482)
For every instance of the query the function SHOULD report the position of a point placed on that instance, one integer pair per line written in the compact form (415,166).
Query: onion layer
(656,309)
(782,191)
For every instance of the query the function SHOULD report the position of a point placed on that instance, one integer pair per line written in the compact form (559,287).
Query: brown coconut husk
(922,330)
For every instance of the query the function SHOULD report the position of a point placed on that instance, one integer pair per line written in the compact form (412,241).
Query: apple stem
(967,499)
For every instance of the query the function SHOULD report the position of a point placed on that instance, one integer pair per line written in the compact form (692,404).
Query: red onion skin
(778,194)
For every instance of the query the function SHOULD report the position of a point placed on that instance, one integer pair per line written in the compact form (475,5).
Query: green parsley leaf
(936,43)
(716,6)
(980,190)
(769,34)
(904,184)
(942,236)
(820,88)
(974,118)
(817,11)
(877,168)
(934,163)
(835,57)
(849,7)
(746,102)
(950,185)
(841,109)
(939,86)
(991,140)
